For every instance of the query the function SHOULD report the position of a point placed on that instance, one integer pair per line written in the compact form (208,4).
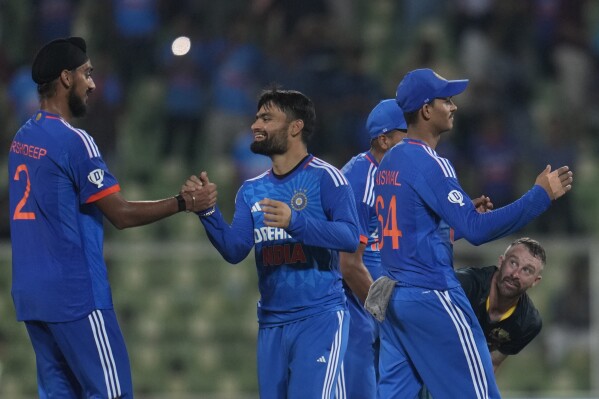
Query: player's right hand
(483,204)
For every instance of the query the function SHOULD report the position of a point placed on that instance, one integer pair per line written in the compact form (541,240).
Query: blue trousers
(86,358)
(433,337)
(301,360)
(358,376)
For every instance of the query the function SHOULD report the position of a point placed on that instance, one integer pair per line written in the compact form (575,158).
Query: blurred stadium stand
(190,322)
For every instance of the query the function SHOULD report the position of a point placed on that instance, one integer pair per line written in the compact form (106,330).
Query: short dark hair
(411,117)
(47,90)
(295,105)
(533,246)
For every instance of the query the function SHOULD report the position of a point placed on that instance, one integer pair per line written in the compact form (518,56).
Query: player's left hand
(276,213)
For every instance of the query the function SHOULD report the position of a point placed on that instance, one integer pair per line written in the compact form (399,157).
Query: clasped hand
(199,193)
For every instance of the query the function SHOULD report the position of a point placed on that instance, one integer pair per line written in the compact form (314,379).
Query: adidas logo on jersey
(321,360)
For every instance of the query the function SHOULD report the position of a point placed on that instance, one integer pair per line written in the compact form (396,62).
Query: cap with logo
(421,86)
(385,117)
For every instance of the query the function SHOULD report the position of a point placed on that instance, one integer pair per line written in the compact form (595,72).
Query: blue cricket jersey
(298,267)
(418,199)
(360,172)
(55,173)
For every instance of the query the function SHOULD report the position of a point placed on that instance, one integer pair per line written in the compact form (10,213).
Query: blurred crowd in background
(157,117)
(532,67)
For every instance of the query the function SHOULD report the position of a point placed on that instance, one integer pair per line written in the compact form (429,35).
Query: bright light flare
(181,45)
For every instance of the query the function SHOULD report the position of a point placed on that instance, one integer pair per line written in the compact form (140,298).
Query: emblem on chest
(299,200)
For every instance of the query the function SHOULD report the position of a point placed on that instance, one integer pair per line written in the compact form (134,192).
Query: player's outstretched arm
(124,214)
(556,183)
(235,241)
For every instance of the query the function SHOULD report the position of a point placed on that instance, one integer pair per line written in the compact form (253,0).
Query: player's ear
(537,280)
(426,111)
(65,78)
(383,142)
(296,127)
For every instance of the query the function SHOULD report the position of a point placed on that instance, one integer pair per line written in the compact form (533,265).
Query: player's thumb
(204,178)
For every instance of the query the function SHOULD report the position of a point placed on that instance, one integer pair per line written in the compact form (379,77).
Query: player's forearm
(482,228)
(232,242)
(125,214)
(355,273)
(339,235)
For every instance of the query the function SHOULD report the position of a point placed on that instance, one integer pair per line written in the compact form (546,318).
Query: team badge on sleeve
(299,200)
(96,176)
(456,197)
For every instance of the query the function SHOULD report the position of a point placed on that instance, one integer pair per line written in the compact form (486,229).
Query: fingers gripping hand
(483,204)
(206,196)
(276,213)
(203,178)
(202,192)
(193,183)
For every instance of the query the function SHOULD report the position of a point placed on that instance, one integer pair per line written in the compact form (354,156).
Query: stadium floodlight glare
(181,45)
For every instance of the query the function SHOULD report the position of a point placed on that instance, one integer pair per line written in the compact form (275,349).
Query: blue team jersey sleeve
(340,230)
(234,242)
(87,168)
(360,172)
(439,188)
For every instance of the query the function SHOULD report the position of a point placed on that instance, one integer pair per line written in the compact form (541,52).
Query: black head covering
(56,56)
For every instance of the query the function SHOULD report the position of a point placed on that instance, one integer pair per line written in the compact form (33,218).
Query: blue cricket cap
(385,117)
(421,86)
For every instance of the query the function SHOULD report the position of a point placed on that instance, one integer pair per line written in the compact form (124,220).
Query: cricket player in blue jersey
(430,333)
(59,190)
(297,216)
(386,127)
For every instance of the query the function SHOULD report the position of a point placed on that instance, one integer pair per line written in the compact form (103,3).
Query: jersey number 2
(18,215)
(388,225)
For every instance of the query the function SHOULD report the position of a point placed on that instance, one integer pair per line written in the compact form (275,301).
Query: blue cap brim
(453,88)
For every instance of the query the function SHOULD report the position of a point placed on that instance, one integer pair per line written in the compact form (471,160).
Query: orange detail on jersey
(27,150)
(18,215)
(388,224)
(103,194)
